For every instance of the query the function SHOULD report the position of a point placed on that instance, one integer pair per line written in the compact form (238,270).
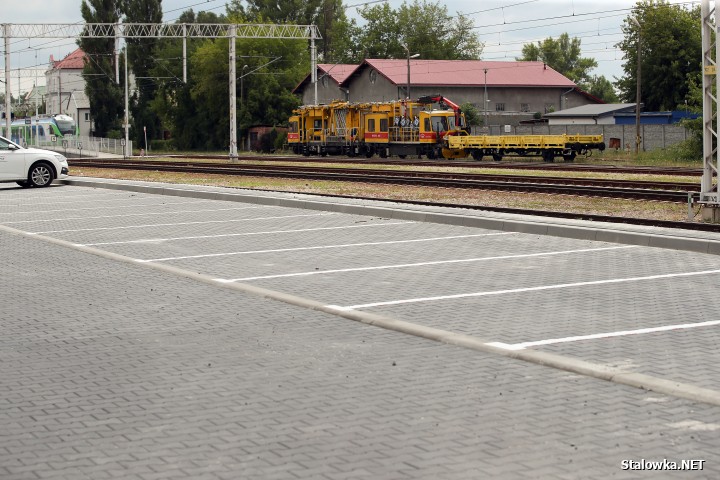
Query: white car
(30,167)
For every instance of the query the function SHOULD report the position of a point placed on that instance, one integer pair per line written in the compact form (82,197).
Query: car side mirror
(12,146)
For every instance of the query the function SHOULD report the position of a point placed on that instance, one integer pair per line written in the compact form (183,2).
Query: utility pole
(638,139)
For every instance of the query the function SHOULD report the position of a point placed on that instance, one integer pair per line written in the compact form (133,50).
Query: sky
(504,26)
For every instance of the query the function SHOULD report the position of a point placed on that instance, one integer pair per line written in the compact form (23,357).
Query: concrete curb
(539,227)
(569,364)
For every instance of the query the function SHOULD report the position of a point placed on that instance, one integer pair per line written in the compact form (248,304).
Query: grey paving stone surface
(112,370)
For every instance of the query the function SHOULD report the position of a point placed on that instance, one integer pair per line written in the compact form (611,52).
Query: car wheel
(23,183)
(40,175)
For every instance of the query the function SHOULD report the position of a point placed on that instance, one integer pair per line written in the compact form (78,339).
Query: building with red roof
(507,92)
(66,89)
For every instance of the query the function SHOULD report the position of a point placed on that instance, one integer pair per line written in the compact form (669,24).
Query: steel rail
(430,179)
(569,167)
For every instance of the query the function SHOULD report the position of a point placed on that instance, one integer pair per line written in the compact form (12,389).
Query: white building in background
(66,90)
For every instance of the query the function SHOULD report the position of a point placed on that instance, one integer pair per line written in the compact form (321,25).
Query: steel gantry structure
(120,31)
(709,197)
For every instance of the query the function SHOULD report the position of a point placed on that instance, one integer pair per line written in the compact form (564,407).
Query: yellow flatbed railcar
(546,146)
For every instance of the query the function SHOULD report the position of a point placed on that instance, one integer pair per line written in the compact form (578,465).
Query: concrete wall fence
(653,136)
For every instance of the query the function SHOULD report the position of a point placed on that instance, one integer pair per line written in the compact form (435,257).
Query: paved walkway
(167,336)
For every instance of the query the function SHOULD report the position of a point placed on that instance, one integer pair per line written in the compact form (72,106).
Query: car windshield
(66,127)
(5,144)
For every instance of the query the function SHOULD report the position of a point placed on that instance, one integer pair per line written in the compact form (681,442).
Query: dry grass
(533,201)
(488,170)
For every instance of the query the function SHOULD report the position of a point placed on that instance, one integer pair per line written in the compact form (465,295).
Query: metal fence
(83,146)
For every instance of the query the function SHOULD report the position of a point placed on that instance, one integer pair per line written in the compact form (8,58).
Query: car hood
(39,151)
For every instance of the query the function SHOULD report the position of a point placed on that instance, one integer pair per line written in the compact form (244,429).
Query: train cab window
(293,127)
(439,124)
(451,123)
(41,130)
(426,125)
(317,124)
(384,124)
(371,125)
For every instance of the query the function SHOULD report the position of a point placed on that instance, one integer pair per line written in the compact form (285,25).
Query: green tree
(104,94)
(472,114)
(142,60)
(602,88)
(328,15)
(563,55)
(173,102)
(670,46)
(425,28)
(197,113)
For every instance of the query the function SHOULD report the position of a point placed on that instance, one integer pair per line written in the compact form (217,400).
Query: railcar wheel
(569,158)
(497,157)
(41,175)
(548,156)
(477,155)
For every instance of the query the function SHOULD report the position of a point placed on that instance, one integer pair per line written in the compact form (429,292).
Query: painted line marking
(93,198)
(424,264)
(160,240)
(522,290)
(107,207)
(177,224)
(639,331)
(319,247)
(127,215)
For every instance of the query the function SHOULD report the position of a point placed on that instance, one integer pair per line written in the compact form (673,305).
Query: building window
(499,107)
(549,107)
(87,116)
(373,76)
(524,107)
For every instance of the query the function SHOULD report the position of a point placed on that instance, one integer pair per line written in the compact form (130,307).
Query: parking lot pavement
(113,368)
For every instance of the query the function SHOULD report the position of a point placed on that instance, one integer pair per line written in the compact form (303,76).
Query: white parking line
(639,331)
(73,209)
(160,240)
(521,290)
(176,224)
(89,197)
(319,247)
(174,212)
(422,264)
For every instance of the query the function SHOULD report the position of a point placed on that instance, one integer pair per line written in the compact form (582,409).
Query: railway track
(657,191)
(530,165)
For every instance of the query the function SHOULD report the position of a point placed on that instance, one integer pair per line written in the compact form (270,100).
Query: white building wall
(66,95)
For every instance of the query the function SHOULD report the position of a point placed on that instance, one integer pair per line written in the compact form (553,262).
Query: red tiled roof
(468,73)
(73,60)
(338,72)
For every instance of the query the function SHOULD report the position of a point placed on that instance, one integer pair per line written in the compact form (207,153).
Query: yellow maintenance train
(432,126)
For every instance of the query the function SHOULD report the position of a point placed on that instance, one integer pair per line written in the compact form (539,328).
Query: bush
(280,141)
(690,149)
(162,145)
(267,141)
